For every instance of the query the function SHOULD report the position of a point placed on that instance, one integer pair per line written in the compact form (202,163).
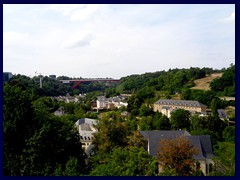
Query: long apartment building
(167,106)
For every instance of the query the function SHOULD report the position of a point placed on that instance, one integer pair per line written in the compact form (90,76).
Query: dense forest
(38,143)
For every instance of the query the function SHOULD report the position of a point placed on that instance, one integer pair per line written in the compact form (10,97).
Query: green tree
(198,122)
(18,125)
(224,159)
(145,110)
(229,134)
(112,132)
(180,119)
(132,161)
(73,167)
(136,140)
(215,105)
(133,103)
(216,125)
(186,94)
(161,122)
(226,83)
(53,144)
(145,123)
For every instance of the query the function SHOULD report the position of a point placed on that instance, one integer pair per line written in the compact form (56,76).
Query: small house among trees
(86,130)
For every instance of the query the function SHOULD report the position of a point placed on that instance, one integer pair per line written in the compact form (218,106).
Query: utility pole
(40,82)
(36,73)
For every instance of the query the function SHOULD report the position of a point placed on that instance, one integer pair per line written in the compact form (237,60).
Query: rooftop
(203,142)
(180,103)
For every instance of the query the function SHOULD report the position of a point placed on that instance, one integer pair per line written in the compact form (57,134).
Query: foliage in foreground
(128,161)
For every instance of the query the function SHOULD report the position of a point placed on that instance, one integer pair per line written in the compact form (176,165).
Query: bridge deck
(79,81)
(89,80)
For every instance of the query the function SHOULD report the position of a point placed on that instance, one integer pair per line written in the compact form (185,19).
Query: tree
(134,102)
(198,122)
(226,83)
(216,125)
(18,125)
(112,132)
(51,145)
(177,155)
(215,105)
(180,119)
(224,159)
(145,110)
(73,167)
(145,123)
(164,123)
(229,134)
(186,94)
(136,140)
(161,122)
(128,161)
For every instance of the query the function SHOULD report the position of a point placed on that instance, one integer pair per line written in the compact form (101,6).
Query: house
(166,110)
(7,76)
(125,113)
(86,130)
(59,112)
(222,114)
(203,143)
(166,106)
(111,103)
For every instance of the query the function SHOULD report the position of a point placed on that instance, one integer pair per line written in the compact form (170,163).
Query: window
(210,167)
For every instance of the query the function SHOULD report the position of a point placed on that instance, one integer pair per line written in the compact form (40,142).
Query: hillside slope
(204,83)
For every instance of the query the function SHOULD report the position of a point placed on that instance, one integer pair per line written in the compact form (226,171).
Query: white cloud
(79,39)
(13,38)
(86,12)
(66,9)
(77,12)
(229,19)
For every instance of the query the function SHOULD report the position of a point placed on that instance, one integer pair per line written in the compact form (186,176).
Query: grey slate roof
(85,127)
(179,103)
(222,114)
(203,142)
(86,120)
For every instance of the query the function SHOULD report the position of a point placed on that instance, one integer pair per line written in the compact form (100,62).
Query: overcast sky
(98,41)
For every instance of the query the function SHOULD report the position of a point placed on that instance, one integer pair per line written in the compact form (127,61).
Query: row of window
(86,138)
(174,107)
(85,144)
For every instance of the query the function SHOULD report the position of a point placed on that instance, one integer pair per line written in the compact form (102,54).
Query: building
(59,112)
(111,103)
(86,130)
(167,106)
(53,76)
(203,143)
(7,76)
(222,114)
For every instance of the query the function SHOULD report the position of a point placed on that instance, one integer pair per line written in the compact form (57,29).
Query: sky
(114,41)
